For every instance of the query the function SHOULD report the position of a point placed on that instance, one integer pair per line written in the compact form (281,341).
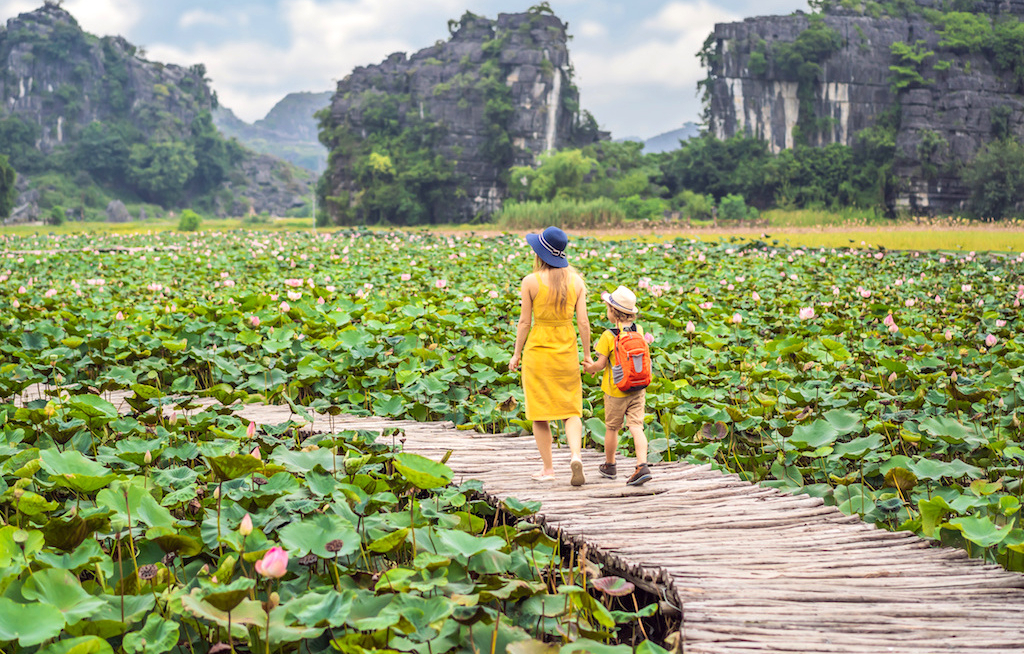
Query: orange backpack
(632,369)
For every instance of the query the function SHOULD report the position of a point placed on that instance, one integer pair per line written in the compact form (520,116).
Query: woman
(551,363)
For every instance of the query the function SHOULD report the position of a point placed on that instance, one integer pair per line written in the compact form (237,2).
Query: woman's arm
(525,318)
(582,320)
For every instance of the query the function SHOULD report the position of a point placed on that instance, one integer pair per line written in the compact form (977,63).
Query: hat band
(557,253)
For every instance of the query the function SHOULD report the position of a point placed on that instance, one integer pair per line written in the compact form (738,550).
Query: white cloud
(203,17)
(669,60)
(592,29)
(103,17)
(326,40)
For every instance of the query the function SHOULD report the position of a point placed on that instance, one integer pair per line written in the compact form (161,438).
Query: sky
(635,60)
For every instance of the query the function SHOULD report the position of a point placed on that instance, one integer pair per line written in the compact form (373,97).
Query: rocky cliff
(72,103)
(944,101)
(289,131)
(496,94)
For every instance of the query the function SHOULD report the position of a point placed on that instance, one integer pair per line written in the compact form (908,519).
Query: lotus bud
(892,378)
(148,458)
(245,528)
(274,563)
(216,493)
(953,376)
(250,431)
(256,453)
(690,328)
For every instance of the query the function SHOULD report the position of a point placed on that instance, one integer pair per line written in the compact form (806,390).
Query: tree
(160,170)
(215,157)
(8,192)
(103,151)
(995,180)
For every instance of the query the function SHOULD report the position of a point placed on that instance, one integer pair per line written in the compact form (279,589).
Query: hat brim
(545,256)
(610,301)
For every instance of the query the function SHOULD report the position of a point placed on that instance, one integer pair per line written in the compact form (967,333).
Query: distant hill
(665,142)
(670,140)
(86,120)
(289,131)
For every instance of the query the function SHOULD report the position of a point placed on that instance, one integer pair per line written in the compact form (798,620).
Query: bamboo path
(750,569)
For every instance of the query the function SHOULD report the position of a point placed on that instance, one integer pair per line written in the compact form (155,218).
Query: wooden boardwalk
(750,569)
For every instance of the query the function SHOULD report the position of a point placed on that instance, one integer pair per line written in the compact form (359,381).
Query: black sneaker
(641,476)
(607,470)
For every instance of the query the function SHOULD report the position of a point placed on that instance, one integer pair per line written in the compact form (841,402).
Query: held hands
(591,366)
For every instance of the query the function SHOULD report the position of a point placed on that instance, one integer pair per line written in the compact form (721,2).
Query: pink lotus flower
(294,283)
(690,328)
(893,328)
(405,277)
(294,295)
(965,288)
(737,318)
(320,300)
(285,307)
(889,321)
(119,316)
(1000,323)
(274,563)
(493,295)
(228,283)
(15,304)
(990,340)
(865,293)
(440,283)
(806,313)
(256,453)
(755,297)
(51,292)
(254,321)
(949,334)
(892,377)
(22,290)
(245,527)
(250,431)
(649,337)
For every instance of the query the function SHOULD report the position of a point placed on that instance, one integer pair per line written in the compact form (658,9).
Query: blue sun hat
(550,246)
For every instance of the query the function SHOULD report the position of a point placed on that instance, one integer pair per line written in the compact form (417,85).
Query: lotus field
(889,383)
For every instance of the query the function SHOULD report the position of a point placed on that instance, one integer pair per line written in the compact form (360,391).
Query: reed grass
(567,214)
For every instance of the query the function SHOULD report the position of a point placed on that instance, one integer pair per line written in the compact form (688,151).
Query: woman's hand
(513,363)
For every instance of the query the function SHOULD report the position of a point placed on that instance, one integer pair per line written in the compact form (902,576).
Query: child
(617,404)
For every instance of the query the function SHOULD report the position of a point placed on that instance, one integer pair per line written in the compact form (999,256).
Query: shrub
(733,207)
(189,221)
(995,180)
(636,208)
(57,216)
(696,205)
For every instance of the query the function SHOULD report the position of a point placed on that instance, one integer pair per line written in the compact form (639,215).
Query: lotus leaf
(314,532)
(816,434)
(17,544)
(81,645)
(124,499)
(156,636)
(421,471)
(614,586)
(980,530)
(330,608)
(61,589)
(71,469)
(227,596)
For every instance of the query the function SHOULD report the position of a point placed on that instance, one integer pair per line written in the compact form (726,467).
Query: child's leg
(639,441)
(542,436)
(611,444)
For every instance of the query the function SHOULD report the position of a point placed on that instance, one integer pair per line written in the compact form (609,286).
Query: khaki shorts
(630,407)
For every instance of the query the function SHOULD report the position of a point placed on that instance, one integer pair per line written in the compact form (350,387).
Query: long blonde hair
(558,280)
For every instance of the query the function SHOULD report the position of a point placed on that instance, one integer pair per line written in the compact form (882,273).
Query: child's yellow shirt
(606,346)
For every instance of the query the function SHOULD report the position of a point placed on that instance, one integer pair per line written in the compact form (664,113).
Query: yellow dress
(551,359)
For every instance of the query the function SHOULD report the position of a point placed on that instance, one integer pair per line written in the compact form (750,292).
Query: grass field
(795,228)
